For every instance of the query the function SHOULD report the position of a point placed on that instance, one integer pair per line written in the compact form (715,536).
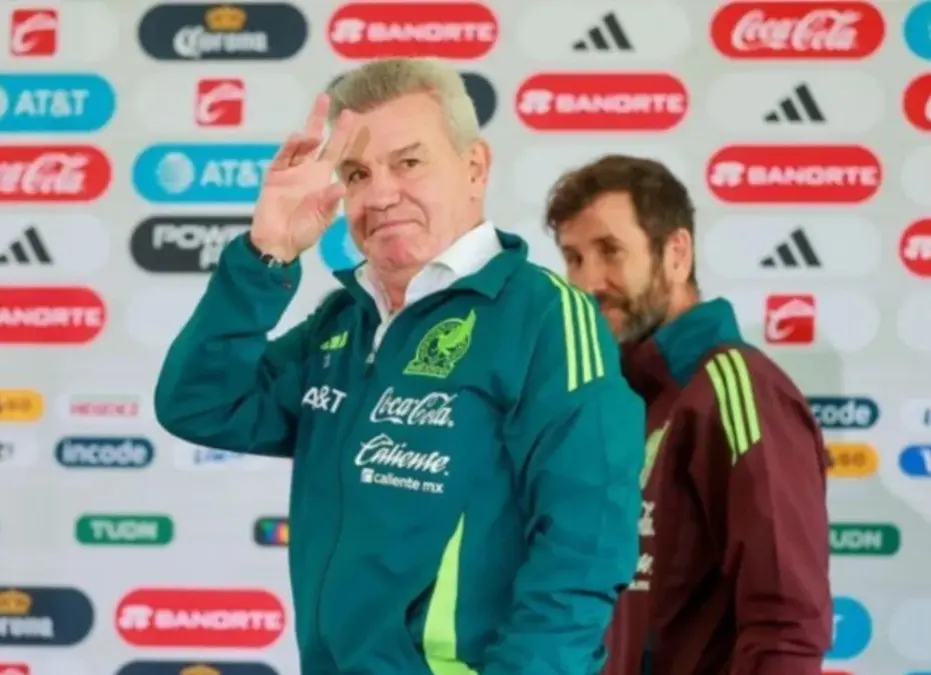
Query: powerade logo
(56,103)
(917,30)
(202,173)
(915,461)
(184,244)
(844,412)
(337,249)
(195,668)
(104,453)
(853,629)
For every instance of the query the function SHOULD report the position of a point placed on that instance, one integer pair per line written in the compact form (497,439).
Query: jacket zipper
(368,369)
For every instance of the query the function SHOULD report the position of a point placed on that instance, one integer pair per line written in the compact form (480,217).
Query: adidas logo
(605,37)
(796,252)
(28,249)
(797,108)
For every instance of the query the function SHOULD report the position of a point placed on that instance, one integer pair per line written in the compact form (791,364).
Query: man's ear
(679,254)
(479,164)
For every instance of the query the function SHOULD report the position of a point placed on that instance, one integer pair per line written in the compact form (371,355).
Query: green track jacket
(465,500)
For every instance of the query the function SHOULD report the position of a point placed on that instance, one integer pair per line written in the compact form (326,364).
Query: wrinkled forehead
(408,124)
(609,217)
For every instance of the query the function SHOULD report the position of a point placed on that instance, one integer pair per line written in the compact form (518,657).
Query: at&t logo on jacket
(202,173)
(54,103)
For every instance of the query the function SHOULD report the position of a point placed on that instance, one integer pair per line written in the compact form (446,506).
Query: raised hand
(299,198)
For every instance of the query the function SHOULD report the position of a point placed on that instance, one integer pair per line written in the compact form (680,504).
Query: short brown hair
(660,200)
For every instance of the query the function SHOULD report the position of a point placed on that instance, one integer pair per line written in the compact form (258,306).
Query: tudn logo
(181,244)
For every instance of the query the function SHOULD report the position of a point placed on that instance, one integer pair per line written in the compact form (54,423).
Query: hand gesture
(298,200)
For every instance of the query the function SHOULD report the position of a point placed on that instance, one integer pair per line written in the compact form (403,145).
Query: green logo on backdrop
(124,530)
(865,539)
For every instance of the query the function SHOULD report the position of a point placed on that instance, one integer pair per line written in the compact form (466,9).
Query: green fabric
(464,501)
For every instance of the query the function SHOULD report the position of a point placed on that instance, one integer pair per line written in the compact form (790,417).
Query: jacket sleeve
(776,548)
(223,384)
(576,437)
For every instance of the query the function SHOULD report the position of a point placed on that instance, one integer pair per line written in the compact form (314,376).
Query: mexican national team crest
(442,347)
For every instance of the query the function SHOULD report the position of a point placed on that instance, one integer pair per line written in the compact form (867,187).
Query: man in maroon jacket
(733,570)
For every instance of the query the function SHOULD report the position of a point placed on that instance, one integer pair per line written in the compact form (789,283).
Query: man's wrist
(272,256)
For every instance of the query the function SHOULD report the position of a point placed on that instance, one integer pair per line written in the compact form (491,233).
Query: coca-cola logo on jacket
(798,30)
(53,173)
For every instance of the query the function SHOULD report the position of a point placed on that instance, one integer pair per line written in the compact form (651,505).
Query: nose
(589,276)
(382,190)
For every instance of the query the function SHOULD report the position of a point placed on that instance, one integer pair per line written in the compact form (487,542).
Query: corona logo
(226,19)
(199,670)
(15,603)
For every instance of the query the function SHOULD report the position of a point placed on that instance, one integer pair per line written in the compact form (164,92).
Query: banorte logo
(53,173)
(916,102)
(200,618)
(915,248)
(798,30)
(450,30)
(793,174)
(589,101)
(50,315)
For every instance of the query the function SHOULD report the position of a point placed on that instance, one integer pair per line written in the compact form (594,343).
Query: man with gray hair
(465,452)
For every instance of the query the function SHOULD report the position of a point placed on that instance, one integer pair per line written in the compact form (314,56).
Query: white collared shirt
(467,255)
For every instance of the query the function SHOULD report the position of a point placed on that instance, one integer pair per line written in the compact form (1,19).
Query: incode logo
(337,250)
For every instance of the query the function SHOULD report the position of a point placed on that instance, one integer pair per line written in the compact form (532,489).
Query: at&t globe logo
(337,249)
(202,173)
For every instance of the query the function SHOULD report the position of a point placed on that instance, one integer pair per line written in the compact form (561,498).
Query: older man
(464,495)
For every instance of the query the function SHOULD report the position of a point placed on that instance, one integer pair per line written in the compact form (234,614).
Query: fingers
(316,120)
(339,140)
(293,151)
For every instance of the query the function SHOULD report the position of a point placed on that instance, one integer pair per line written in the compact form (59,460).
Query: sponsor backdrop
(134,140)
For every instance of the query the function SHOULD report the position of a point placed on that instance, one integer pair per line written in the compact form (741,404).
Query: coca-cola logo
(53,173)
(50,315)
(916,102)
(798,30)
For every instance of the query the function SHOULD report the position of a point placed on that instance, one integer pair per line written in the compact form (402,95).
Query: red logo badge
(797,174)
(34,32)
(50,315)
(916,102)
(915,248)
(602,101)
(219,103)
(200,618)
(98,406)
(789,319)
(14,669)
(53,173)
(451,30)
(798,30)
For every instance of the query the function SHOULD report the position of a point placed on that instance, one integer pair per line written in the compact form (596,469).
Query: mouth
(388,225)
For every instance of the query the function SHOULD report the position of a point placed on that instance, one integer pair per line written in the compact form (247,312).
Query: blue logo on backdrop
(54,103)
(202,173)
(112,452)
(201,455)
(917,30)
(853,629)
(844,412)
(915,461)
(337,249)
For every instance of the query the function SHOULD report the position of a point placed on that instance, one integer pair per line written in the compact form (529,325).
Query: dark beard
(643,313)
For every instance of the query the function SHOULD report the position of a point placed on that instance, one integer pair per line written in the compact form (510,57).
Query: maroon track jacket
(733,570)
